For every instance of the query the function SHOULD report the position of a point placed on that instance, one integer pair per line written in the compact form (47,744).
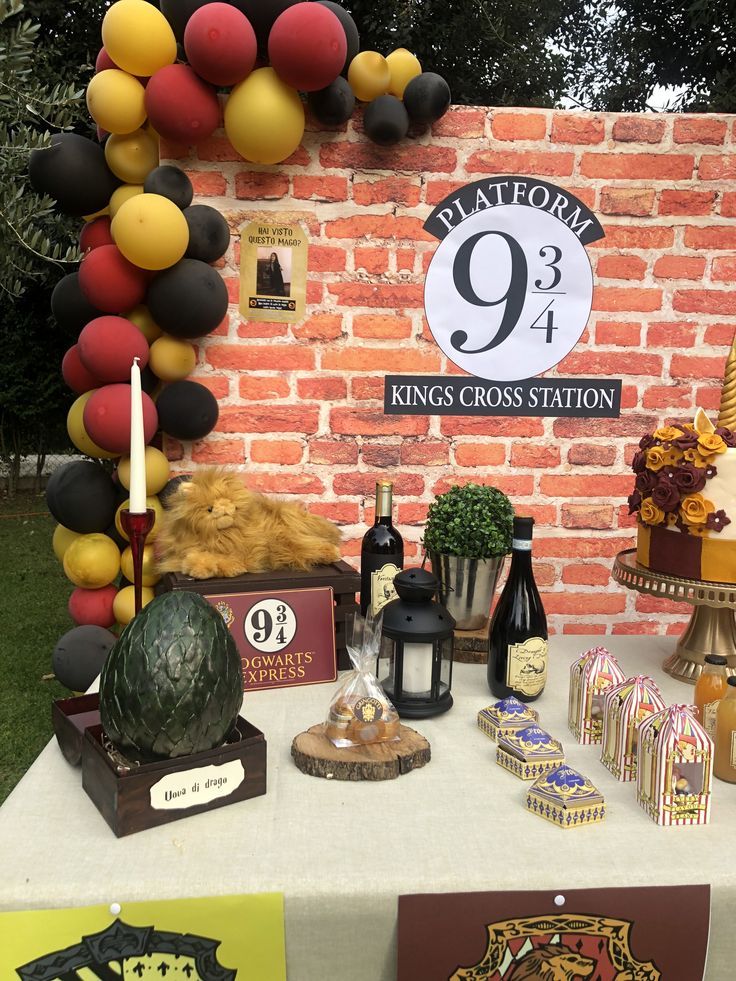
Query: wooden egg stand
(314,754)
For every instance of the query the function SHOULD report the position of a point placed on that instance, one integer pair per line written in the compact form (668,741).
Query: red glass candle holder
(137,526)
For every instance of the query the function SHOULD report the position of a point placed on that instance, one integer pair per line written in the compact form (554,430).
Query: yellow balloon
(264,118)
(92,561)
(79,435)
(150,231)
(122,194)
(150,575)
(404,66)
(123,606)
(151,502)
(97,214)
(132,156)
(138,37)
(158,470)
(369,75)
(141,317)
(63,537)
(171,359)
(115,101)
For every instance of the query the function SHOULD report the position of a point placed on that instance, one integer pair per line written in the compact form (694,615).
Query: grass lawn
(33,616)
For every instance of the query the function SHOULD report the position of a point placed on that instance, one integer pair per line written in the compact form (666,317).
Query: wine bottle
(517,644)
(381,555)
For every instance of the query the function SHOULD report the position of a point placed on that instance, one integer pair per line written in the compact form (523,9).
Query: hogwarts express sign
(507,296)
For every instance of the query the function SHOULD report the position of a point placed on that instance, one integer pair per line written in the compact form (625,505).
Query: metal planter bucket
(467,586)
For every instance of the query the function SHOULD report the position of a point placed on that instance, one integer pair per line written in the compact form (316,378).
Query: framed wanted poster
(273,272)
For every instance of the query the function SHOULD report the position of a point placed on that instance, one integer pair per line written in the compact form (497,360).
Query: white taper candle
(137,443)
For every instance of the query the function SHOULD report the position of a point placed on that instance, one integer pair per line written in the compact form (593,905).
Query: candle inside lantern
(137,444)
(417,671)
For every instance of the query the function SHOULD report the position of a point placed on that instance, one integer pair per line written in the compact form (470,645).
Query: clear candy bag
(360,713)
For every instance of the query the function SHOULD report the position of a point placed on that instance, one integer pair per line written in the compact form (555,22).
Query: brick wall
(301,405)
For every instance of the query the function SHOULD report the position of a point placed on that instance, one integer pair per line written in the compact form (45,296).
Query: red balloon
(307,46)
(220,44)
(180,106)
(107,346)
(104,61)
(110,282)
(77,377)
(106,418)
(93,606)
(95,233)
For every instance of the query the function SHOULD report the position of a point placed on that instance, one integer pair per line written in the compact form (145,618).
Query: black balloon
(209,233)
(386,121)
(171,488)
(79,655)
(70,306)
(171,183)
(187,410)
(149,381)
(348,25)
(188,300)
(262,14)
(333,105)
(81,496)
(426,98)
(74,172)
(178,12)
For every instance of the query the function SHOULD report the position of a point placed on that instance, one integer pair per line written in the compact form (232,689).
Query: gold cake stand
(712,627)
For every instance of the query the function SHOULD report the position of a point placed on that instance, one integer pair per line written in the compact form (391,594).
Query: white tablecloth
(342,852)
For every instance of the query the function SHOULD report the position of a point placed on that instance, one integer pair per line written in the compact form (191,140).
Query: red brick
(405,260)
(542,163)
(219,452)
(369,156)
(380,454)
(635,237)
(381,325)
(720,334)
(380,359)
(705,301)
(629,397)
(712,237)
(391,190)
(591,455)
(331,451)
(679,267)
(377,226)
(612,363)
(626,425)
(285,451)
(411,514)
(724,269)
(480,454)
(586,574)
(360,422)
(621,267)
(436,191)
(534,455)
(671,334)
(709,398)
(543,514)
(217,148)
(269,419)
(585,547)
(387,296)
(262,328)
(315,291)
(638,129)
(219,386)
(255,388)
(425,454)
(299,158)
(322,326)
(372,260)
(491,426)
(576,127)
(686,202)
(364,484)
(638,166)
(719,167)
(653,604)
(593,602)
(617,333)
(515,486)
(684,366)
(728,204)
(254,186)
(519,125)
(637,627)
(367,389)
(461,121)
(584,627)
(627,200)
(588,515)
(320,188)
(341,512)
(699,129)
(322,389)
(626,298)
(207,183)
(544,573)
(326,258)
(276,357)
(590,485)
(284,483)
(232,284)
(668,397)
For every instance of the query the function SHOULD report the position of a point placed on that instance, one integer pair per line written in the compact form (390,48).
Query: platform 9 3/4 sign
(509,290)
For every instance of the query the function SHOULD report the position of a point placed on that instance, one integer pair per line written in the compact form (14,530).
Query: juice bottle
(709,690)
(724,759)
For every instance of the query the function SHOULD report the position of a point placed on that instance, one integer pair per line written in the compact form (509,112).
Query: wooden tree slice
(314,754)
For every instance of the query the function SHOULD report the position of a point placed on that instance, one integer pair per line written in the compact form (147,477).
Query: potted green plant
(467,537)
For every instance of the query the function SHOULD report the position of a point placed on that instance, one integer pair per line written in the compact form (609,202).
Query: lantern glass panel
(385,662)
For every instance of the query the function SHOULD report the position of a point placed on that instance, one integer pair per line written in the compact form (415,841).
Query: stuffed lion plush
(215,526)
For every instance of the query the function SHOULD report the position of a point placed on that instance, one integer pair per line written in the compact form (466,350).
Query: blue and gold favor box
(508,715)
(529,753)
(566,798)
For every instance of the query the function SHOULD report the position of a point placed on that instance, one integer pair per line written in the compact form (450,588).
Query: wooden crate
(134,798)
(343,579)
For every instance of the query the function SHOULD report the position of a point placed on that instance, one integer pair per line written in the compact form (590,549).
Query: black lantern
(415,659)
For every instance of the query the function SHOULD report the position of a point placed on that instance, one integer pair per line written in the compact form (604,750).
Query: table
(342,852)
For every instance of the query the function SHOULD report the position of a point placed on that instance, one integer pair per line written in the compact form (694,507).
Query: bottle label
(710,710)
(733,749)
(382,587)
(521,544)
(526,669)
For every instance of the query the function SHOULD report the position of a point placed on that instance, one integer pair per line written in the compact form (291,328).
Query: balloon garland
(146,286)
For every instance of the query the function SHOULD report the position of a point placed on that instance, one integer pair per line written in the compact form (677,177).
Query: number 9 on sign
(508,292)
(270,625)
